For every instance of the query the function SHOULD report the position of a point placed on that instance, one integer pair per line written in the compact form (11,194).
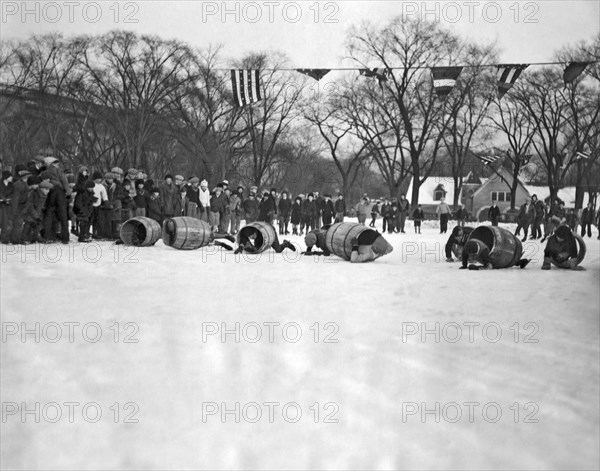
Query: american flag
(317,74)
(581,155)
(246,86)
(488,159)
(507,76)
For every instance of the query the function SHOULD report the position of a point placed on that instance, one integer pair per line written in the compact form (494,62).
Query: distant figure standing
(374,213)
(525,218)
(418,216)
(494,214)
(587,219)
(461,215)
(362,210)
(444,212)
(340,208)
(403,208)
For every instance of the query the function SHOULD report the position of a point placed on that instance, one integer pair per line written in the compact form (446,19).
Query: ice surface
(373,375)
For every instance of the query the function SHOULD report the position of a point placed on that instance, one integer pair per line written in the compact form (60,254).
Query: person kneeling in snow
(316,237)
(562,248)
(458,237)
(478,252)
(251,240)
(369,246)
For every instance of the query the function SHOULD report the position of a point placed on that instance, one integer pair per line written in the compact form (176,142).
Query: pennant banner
(487,159)
(444,79)
(246,86)
(317,74)
(380,74)
(507,76)
(581,155)
(574,70)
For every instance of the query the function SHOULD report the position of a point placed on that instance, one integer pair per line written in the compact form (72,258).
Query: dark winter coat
(296,212)
(319,204)
(328,210)
(375,210)
(19,198)
(418,215)
(83,206)
(251,208)
(456,239)
(308,209)
(587,216)
(340,206)
(6,192)
(35,206)
(526,215)
(385,209)
(494,213)
(265,210)
(155,209)
(540,211)
(392,213)
(218,203)
(284,208)
(141,199)
(403,206)
(555,247)
(168,196)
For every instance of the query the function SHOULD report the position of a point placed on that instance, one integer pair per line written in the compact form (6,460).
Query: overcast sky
(311,34)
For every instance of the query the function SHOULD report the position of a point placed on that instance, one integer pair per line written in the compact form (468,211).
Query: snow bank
(371,376)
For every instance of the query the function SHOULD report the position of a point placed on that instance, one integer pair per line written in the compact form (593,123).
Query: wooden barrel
(338,238)
(140,232)
(505,248)
(264,232)
(581,250)
(186,233)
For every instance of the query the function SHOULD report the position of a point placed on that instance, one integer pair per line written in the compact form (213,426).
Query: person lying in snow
(459,237)
(251,240)
(478,252)
(562,248)
(316,238)
(369,246)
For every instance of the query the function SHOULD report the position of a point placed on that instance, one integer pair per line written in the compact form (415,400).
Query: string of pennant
(246,82)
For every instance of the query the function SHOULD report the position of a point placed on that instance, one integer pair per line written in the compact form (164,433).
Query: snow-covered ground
(372,390)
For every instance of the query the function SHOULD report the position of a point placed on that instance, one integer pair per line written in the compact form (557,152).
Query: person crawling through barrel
(562,248)
(171,232)
(458,238)
(251,240)
(478,253)
(316,238)
(369,246)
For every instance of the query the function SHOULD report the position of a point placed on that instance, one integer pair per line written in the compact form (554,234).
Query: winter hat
(139,182)
(168,175)
(39,158)
(381,246)
(226,182)
(6,174)
(155,190)
(327,195)
(196,180)
(179,177)
(273,189)
(83,168)
(310,239)
(298,198)
(110,175)
(310,195)
(24,173)
(97,176)
(50,160)
(70,178)
(46,175)
(203,183)
(46,185)
(266,193)
(90,184)
(117,170)
(563,232)
(251,195)
(240,188)
(220,185)
(127,181)
(33,180)
(183,189)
